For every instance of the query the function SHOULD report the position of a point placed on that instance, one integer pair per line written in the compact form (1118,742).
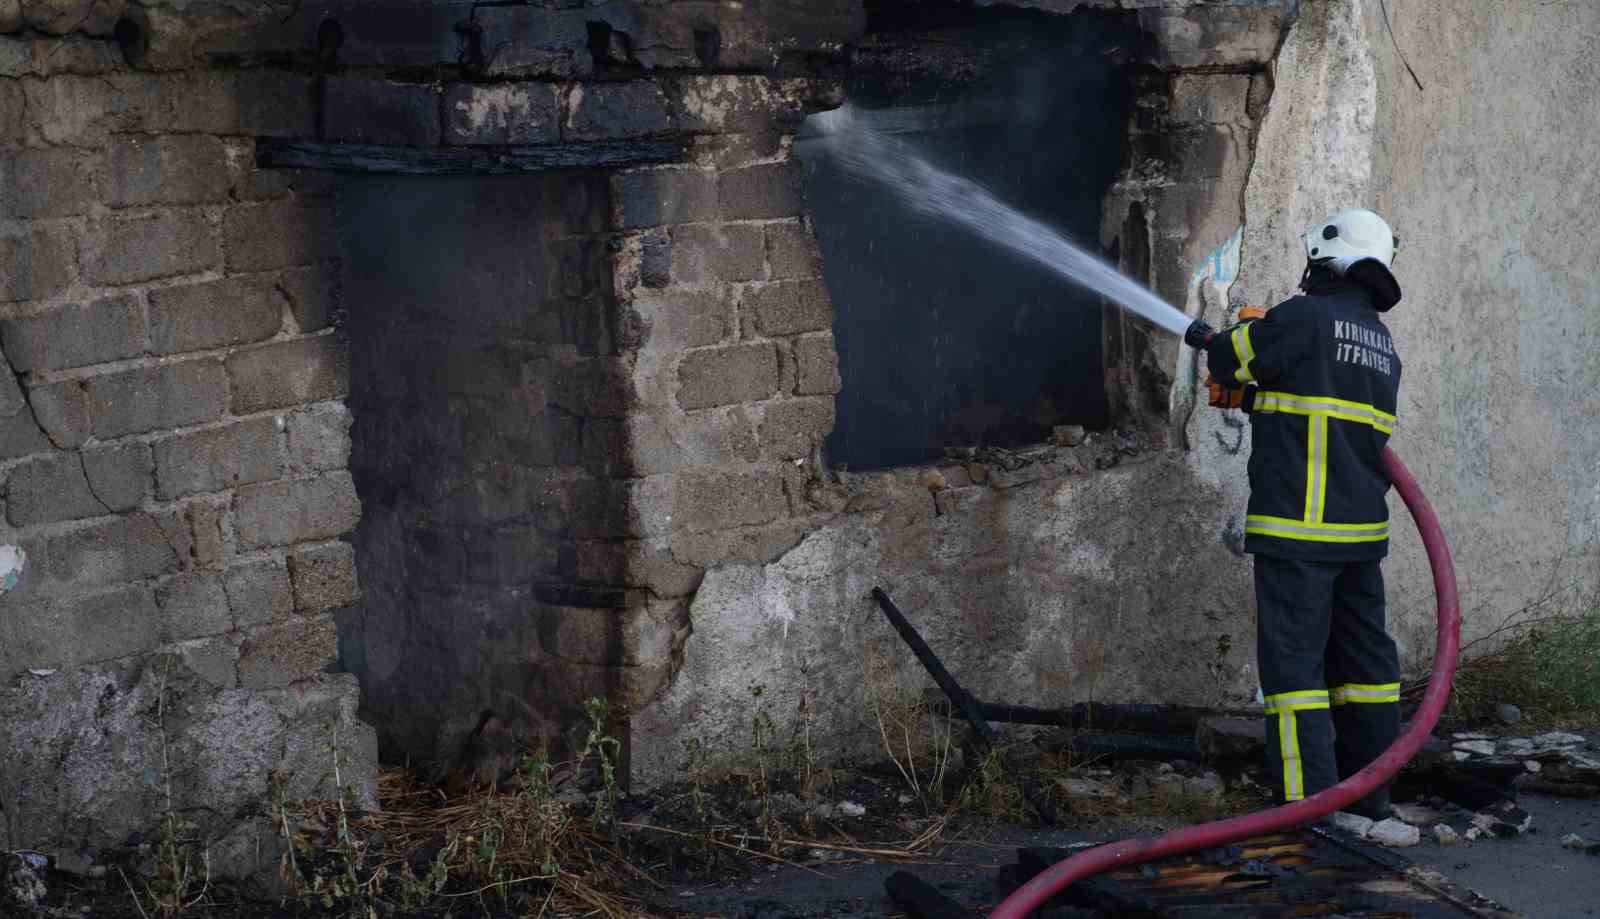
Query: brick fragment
(314,295)
(791,429)
(319,440)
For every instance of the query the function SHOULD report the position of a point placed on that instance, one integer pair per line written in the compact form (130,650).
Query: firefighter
(1320,378)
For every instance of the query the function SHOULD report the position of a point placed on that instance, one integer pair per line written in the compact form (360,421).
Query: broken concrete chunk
(1395,834)
(1415,814)
(1573,841)
(1476,747)
(1445,835)
(852,809)
(1354,824)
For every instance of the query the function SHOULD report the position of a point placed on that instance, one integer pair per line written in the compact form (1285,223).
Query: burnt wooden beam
(277,153)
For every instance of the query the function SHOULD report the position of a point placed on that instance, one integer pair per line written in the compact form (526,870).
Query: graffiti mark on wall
(12,561)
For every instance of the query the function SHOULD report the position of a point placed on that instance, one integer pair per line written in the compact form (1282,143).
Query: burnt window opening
(945,340)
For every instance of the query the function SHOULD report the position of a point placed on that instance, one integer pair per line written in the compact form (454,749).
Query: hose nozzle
(1199,334)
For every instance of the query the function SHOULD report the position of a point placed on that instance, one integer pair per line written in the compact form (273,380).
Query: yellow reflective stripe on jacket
(1284,705)
(1369,693)
(1245,352)
(1263,525)
(1324,406)
(1316,468)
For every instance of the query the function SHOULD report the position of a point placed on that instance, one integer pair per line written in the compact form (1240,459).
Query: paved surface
(1532,875)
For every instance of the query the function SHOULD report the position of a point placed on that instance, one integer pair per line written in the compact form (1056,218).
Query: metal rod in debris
(970,708)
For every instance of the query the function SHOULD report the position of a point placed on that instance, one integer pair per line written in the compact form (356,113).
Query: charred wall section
(479,308)
(945,341)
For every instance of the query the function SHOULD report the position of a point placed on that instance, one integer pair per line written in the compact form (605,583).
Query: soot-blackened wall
(943,340)
(478,307)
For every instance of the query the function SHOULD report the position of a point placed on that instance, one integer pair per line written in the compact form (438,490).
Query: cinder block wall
(173,448)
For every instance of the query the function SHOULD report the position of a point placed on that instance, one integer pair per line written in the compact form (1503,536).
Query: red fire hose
(1090,862)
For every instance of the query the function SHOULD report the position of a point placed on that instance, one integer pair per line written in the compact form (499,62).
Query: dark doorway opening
(945,340)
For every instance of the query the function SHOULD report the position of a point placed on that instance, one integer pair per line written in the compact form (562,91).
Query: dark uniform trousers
(1329,671)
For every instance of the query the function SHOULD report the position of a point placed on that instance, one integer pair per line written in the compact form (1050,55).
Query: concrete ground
(1531,875)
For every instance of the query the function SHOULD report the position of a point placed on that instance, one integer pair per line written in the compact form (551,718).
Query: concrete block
(64,633)
(734,104)
(723,376)
(47,182)
(792,251)
(289,373)
(206,521)
(507,113)
(534,41)
(124,549)
(612,111)
(62,411)
(655,259)
(75,335)
(278,234)
(258,592)
(182,169)
(127,250)
(119,476)
(1194,36)
(319,439)
(272,103)
(50,489)
(216,661)
(314,293)
(762,192)
(279,654)
(213,314)
(788,307)
(303,510)
(168,396)
(729,252)
(324,577)
(792,429)
(685,317)
(817,365)
(668,441)
(671,194)
(379,112)
(35,265)
(20,435)
(193,605)
(1209,98)
(219,458)
(720,501)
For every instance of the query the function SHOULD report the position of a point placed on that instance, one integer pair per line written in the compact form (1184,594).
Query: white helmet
(1350,236)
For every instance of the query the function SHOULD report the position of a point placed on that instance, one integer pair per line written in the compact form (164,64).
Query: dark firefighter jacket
(1325,380)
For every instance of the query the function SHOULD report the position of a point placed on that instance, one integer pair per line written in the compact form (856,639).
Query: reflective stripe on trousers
(1364,693)
(1284,705)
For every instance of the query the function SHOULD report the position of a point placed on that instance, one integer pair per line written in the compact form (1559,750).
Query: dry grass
(1548,667)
